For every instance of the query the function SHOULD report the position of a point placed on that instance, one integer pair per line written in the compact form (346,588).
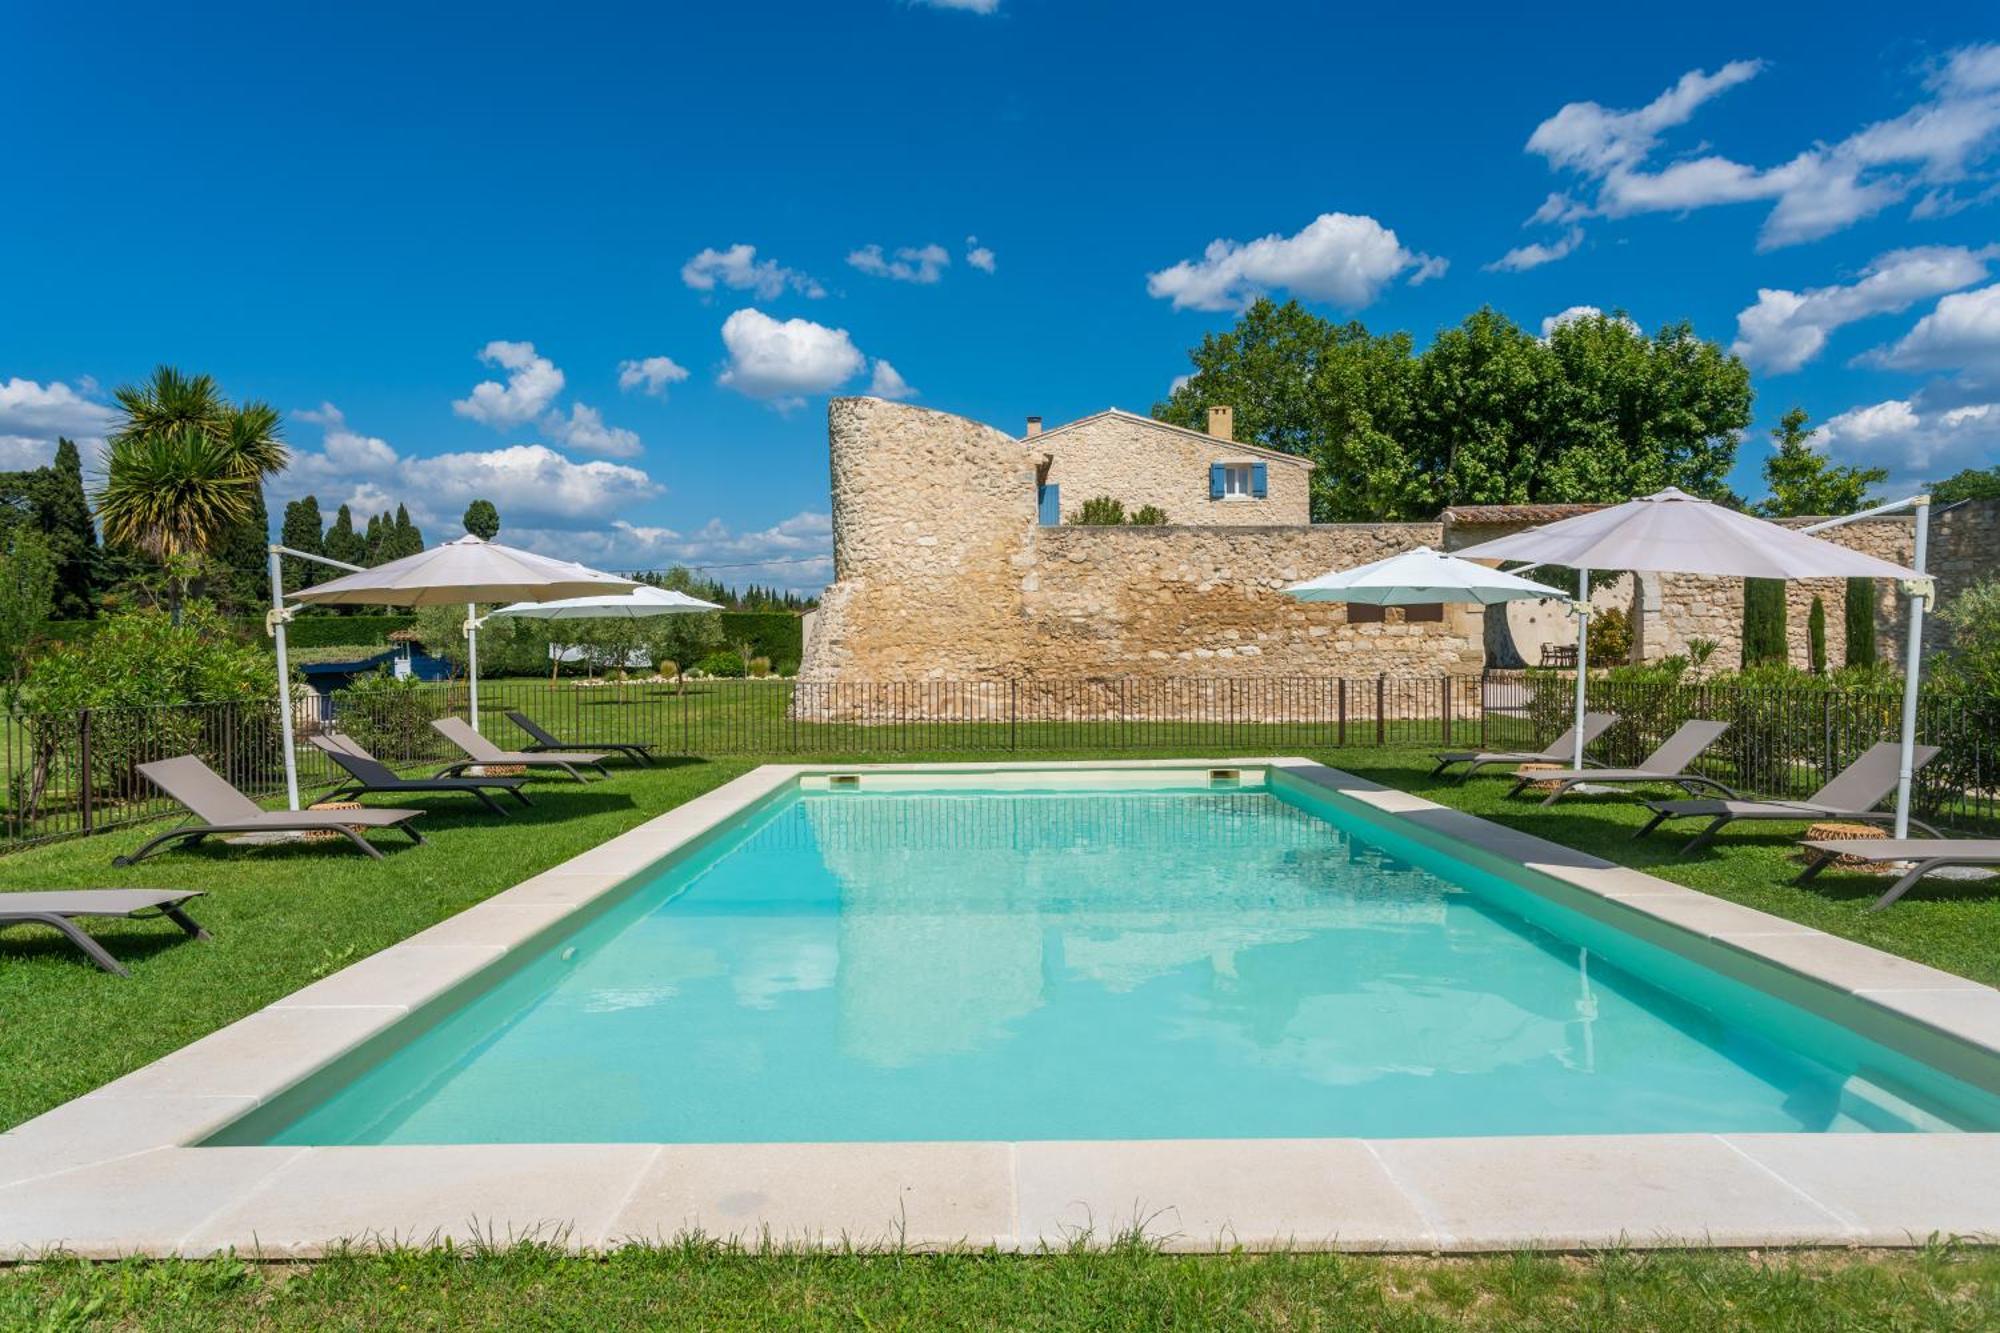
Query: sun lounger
(482,751)
(60,908)
(1928,853)
(218,807)
(369,774)
(633,750)
(1852,795)
(1559,751)
(1666,764)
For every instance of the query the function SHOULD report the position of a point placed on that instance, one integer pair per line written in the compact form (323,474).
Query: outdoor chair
(1666,764)
(218,807)
(368,775)
(482,751)
(1560,750)
(1928,853)
(1852,795)
(59,909)
(638,753)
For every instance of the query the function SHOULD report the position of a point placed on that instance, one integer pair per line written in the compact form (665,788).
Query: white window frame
(1238,481)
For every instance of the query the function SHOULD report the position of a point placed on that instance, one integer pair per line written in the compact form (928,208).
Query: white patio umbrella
(469,570)
(644,600)
(1672,532)
(1421,576)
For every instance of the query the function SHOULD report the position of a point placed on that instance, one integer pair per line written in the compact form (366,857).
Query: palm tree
(183,469)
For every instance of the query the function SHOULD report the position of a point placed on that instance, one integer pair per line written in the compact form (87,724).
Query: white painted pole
(1913,665)
(1582,659)
(472,657)
(284,677)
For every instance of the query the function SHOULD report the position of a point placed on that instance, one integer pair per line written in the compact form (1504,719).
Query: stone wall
(1964,549)
(1143,462)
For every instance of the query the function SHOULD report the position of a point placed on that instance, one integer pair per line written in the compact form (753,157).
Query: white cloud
(1524,257)
(739,269)
(1915,443)
(1337,257)
(782,360)
(584,429)
(1786,329)
(34,415)
(650,375)
(1962,333)
(979,256)
(913,263)
(888,384)
(1576,312)
(532,384)
(796,553)
(531,484)
(1820,190)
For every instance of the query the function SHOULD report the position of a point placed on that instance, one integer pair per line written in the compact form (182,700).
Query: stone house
(1197,479)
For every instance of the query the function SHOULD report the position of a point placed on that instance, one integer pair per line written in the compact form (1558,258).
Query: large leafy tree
(482,520)
(1805,481)
(183,469)
(1971,484)
(52,499)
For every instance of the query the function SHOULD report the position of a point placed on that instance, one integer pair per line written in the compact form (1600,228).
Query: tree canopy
(52,499)
(482,520)
(1805,481)
(1487,414)
(1971,484)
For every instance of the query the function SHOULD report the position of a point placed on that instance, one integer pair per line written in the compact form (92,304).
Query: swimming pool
(1181,955)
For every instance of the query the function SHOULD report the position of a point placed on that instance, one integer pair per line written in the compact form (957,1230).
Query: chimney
(1222,423)
(1034,425)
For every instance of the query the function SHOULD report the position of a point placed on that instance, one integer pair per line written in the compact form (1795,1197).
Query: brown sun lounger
(59,909)
(1852,795)
(218,807)
(1928,853)
(633,750)
(1666,764)
(1560,751)
(482,751)
(368,774)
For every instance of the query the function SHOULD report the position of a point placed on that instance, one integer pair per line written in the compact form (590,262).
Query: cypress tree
(342,542)
(1763,621)
(372,543)
(409,538)
(65,515)
(1860,622)
(241,577)
(303,531)
(1816,637)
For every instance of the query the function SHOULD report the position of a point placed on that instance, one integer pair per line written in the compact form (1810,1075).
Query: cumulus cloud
(584,429)
(531,484)
(533,381)
(1916,443)
(650,375)
(912,263)
(1961,333)
(978,256)
(1786,329)
(33,416)
(1524,257)
(1820,190)
(796,553)
(785,359)
(1337,257)
(739,269)
(1576,312)
(888,384)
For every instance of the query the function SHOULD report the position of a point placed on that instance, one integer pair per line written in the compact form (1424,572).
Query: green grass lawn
(285,916)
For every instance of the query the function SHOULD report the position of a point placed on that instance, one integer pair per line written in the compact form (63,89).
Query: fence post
(1444,697)
(1485,742)
(1381,721)
(83,760)
(1343,711)
(1013,716)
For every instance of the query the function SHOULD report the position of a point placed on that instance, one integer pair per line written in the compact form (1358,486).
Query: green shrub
(1858,615)
(726,665)
(760,666)
(1101,512)
(1970,664)
(1763,621)
(1149,516)
(1816,637)
(778,635)
(391,717)
(1610,637)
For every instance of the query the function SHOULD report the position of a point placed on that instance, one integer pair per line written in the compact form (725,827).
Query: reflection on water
(1122,965)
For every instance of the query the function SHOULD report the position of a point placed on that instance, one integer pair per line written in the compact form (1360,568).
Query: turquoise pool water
(1062,965)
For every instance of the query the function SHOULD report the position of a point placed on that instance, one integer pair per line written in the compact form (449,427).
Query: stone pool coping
(111,1173)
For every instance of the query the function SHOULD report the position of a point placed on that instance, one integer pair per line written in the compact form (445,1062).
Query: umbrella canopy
(466,570)
(643,600)
(1672,532)
(1421,576)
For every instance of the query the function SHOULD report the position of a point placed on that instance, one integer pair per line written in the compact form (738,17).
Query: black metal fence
(77,773)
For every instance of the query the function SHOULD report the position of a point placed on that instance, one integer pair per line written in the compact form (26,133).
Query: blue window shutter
(1051,505)
(1215,481)
(1257,480)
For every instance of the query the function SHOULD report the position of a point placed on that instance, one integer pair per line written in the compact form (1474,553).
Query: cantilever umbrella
(1421,576)
(641,602)
(1672,532)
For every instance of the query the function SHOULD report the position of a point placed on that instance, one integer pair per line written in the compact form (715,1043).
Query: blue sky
(364,213)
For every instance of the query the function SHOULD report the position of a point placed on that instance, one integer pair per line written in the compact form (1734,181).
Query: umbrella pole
(1582,659)
(472,657)
(1913,665)
(285,678)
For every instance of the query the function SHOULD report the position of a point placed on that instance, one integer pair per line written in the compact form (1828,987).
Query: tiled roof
(1477,514)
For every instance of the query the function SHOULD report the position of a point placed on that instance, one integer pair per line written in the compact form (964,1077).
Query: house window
(1236,481)
(1363,613)
(1423,611)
